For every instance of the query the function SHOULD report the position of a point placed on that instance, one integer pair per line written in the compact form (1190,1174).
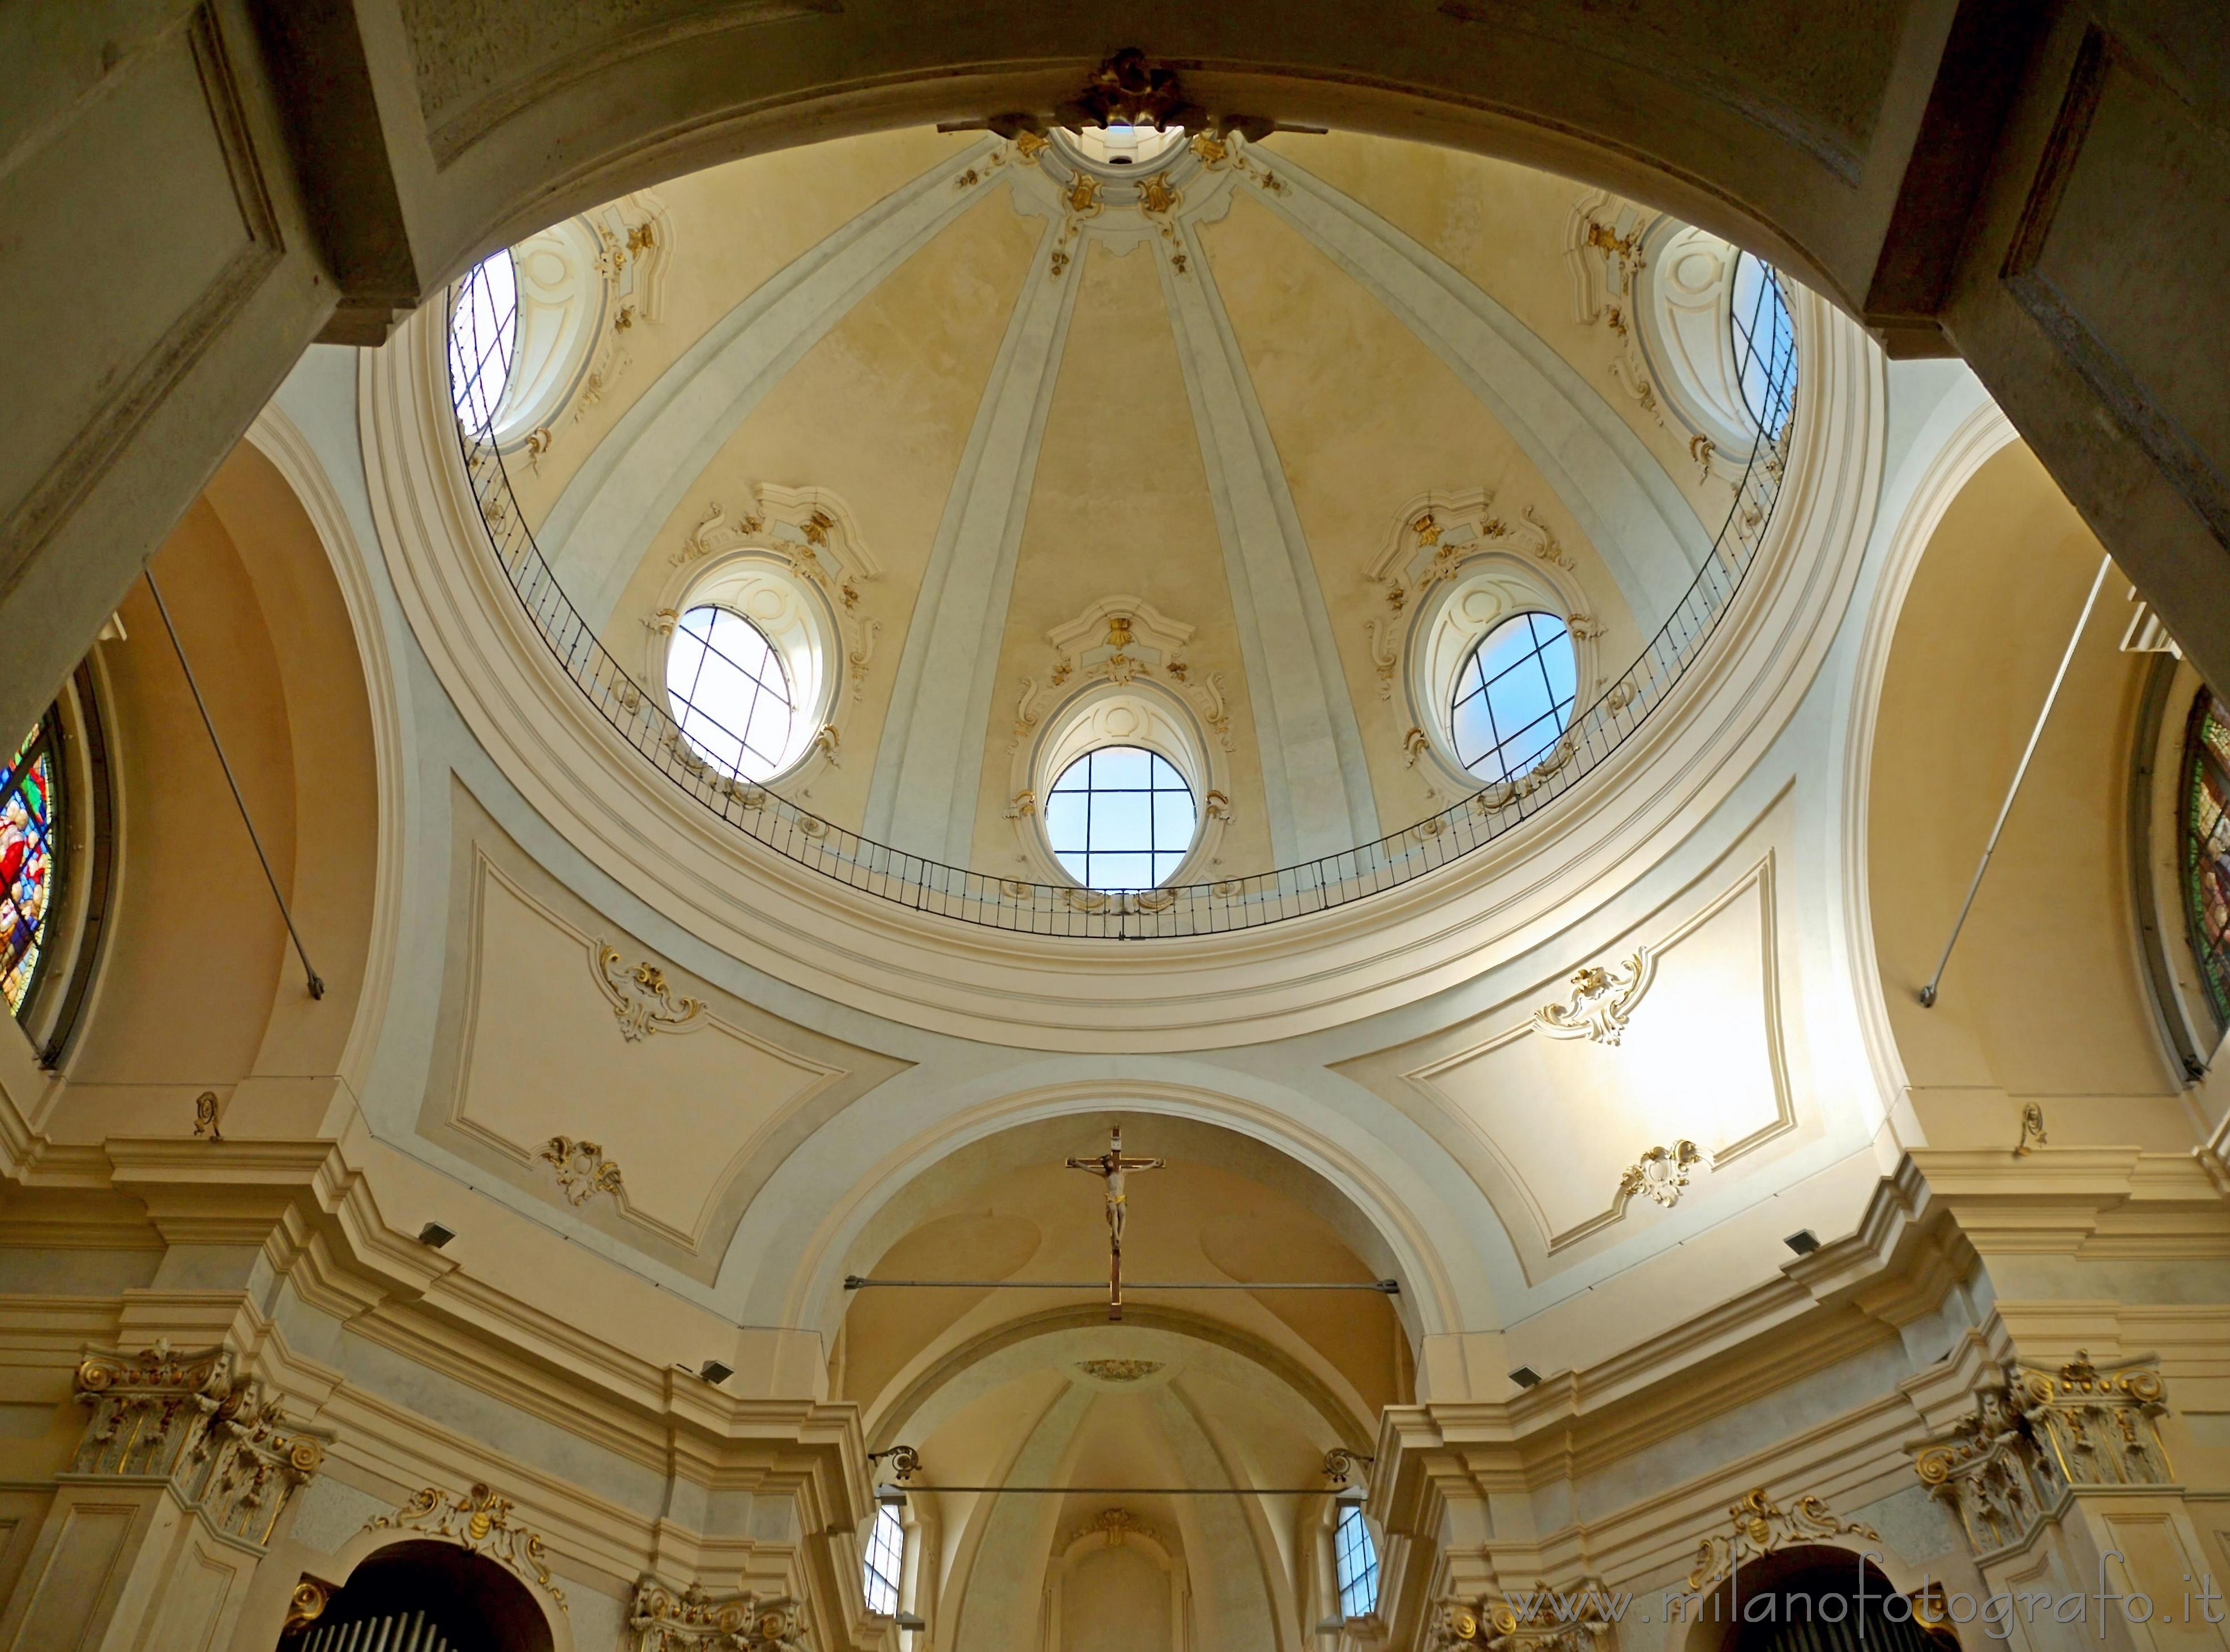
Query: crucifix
(1112,1166)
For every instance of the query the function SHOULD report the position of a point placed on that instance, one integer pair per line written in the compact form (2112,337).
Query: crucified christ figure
(1111,1167)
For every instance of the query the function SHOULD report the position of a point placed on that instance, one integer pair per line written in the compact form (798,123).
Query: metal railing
(639,714)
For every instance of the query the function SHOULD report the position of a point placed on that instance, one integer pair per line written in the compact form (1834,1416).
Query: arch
(1958,439)
(2027,1009)
(198,985)
(530,1619)
(1715,1621)
(863,1219)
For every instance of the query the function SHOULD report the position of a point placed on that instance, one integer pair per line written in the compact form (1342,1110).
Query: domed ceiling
(1234,453)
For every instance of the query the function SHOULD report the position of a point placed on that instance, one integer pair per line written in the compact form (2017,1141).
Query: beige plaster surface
(878,413)
(736,226)
(1366,418)
(2044,997)
(1119,505)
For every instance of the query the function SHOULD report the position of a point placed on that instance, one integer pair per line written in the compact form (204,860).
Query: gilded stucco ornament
(1554,1621)
(642,1000)
(1115,1525)
(1602,253)
(663,1619)
(2038,1436)
(1660,1174)
(205,1116)
(1603,1001)
(582,1170)
(224,1445)
(1760,1526)
(1119,1371)
(478,1520)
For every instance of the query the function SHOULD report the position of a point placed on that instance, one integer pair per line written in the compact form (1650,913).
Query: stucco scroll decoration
(1603,251)
(222,1443)
(1760,1526)
(1603,1001)
(1660,1174)
(642,999)
(582,1170)
(1119,1371)
(478,1520)
(1115,1525)
(1118,639)
(1579,1623)
(663,1619)
(2010,1466)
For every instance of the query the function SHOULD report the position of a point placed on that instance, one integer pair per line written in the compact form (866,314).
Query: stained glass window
(1513,696)
(29,814)
(885,1557)
(1120,817)
(2206,848)
(1355,1564)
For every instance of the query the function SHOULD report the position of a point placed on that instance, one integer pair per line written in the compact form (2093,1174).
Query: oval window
(731,693)
(1120,817)
(483,333)
(1513,696)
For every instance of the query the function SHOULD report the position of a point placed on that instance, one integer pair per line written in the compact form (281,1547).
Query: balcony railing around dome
(1766,361)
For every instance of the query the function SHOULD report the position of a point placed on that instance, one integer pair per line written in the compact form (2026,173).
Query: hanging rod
(1141,1491)
(857,1282)
(2020,773)
(316,987)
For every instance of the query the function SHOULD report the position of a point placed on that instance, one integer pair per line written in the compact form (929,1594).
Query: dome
(989,454)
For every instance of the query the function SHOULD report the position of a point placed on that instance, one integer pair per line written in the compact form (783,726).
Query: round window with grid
(731,693)
(1513,696)
(1121,818)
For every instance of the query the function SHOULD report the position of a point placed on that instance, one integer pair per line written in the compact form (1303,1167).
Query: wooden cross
(1111,1166)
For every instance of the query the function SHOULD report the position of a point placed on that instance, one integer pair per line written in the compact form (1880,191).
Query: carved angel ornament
(1583,1625)
(694,1620)
(1601,1001)
(2033,1438)
(222,1443)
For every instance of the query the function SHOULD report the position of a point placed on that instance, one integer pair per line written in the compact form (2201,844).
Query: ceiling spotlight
(714,1372)
(1525,1376)
(435,1235)
(910,1620)
(890,1496)
(1803,1242)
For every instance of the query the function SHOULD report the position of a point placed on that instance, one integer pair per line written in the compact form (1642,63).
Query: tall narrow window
(2206,850)
(1355,1564)
(29,816)
(1513,696)
(885,1560)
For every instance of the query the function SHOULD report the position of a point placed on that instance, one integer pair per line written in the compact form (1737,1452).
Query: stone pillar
(179,1479)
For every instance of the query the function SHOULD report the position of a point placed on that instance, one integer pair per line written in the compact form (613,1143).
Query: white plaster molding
(601,527)
(1963,432)
(929,764)
(1315,780)
(283,442)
